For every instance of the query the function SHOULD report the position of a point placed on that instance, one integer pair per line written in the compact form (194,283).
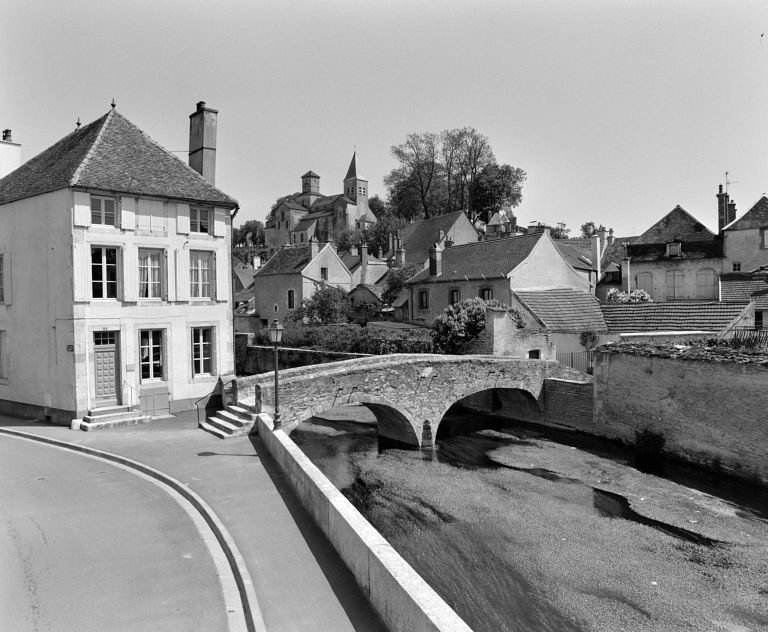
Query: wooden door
(106,357)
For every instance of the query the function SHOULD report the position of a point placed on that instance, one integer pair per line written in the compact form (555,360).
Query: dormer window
(674,249)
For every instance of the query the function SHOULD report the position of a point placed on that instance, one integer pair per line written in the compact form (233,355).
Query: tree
(377,206)
(497,187)
(326,306)
(419,166)
(252,230)
(559,231)
(395,282)
(588,229)
(463,321)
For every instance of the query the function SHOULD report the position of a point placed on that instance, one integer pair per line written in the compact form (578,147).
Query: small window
(276,307)
(202,350)
(151,350)
(737,266)
(455,296)
(534,354)
(674,249)
(424,299)
(291,299)
(150,273)
(200,219)
(200,274)
(103,272)
(103,210)
(264,323)
(324,274)
(486,293)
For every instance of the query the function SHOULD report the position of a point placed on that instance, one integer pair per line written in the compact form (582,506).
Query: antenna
(727,181)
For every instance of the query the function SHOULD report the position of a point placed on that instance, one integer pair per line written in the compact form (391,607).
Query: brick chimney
(610,236)
(314,247)
(202,141)
(436,260)
(400,257)
(363,262)
(726,210)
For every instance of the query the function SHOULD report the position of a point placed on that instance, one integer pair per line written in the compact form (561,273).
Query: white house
(115,274)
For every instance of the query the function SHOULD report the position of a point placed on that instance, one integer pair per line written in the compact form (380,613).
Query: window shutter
(82,212)
(182,218)
(7,279)
(219,222)
(81,277)
(127,213)
(143,216)
(130,274)
(157,216)
(222,279)
(182,274)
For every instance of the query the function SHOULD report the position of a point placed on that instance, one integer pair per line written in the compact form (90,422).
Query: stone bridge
(408,393)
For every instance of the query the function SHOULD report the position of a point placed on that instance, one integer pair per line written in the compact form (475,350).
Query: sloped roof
(305,224)
(419,237)
(376,290)
(678,224)
(246,294)
(243,272)
(564,309)
(351,261)
(616,251)
(495,220)
(756,217)
(352,171)
(287,260)
(310,174)
(709,316)
(492,259)
(295,206)
(576,255)
(740,286)
(113,154)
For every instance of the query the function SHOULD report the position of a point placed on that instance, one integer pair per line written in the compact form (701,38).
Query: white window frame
(198,345)
(103,266)
(486,291)
(150,348)
(155,289)
(99,215)
(196,223)
(201,277)
(324,274)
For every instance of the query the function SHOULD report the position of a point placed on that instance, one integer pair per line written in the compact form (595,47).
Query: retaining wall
(405,602)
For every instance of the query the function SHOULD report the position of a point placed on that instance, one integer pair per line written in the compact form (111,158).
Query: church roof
(352,171)
(110,153)
(310,174)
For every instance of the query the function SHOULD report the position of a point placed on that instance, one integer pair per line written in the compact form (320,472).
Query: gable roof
(678,224)
(243,272)
(492,259)
(287,260)
(375,290)
(563,309)
(110,153)
(709,316)
(310,174)
(419,237)
(575,254)
(756,217)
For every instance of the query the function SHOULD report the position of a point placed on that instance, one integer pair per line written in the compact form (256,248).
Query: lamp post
(276,336)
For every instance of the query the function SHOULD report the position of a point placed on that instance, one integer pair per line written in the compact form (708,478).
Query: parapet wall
(404,601)
(710,413)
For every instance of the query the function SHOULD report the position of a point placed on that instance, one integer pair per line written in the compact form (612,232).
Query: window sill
(204,377)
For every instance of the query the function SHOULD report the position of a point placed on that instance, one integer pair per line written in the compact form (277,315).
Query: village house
(115,274)
(743,287)
(746,238)
(451,229)
(299,217)
(489,269)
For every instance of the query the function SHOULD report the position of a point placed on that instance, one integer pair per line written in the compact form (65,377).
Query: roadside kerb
(251,610)
(405,602)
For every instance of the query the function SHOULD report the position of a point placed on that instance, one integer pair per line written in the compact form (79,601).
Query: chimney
(722,209)
(596,253)
(436,260)
(601,234)
(626,284)
(202,141)
(10,154)
(363,262)
(610,236)
(314,247)
(7,136)
(391,245)
(400,256)
(353,251)
(731,214)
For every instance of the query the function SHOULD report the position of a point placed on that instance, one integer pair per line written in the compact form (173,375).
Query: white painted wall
(10,157)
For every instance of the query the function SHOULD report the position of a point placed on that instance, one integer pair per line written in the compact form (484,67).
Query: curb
(251,611)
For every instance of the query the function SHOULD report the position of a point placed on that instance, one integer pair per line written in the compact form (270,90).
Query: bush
(327,305)
(635,296)
(462,322)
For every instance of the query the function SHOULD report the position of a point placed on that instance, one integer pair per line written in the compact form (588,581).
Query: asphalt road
(87,546)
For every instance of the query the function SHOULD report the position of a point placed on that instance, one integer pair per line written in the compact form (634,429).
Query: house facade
(746,240)
(117,276)
(489,269)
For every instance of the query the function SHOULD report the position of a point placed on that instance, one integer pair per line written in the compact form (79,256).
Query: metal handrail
(208,395)
(133,391)
(197,403)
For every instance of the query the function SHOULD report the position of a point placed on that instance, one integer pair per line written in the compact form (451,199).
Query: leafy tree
(635,296)
(560,231)
(497,187)
(588,229)
(327,305)
(461,322)
(418,173)
(252,230)
(377,206)
(588,339)
(395,281)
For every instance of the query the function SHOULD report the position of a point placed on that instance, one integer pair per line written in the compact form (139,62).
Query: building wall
(338,275)
(689,268)
(746,247)
(440,295)
(271,295)
(708,412)
(545,267)
(10,157)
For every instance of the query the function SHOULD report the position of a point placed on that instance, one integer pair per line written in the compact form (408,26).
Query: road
(87,546)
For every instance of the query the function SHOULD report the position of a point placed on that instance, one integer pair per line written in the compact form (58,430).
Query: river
(519,532)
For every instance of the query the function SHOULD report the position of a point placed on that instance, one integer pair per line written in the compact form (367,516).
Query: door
(106,356)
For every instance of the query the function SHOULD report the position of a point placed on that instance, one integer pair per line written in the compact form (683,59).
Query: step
(109,410)
(111,416)
(231,418)
(223,425)
(241,412)
(213,430)
(102,424)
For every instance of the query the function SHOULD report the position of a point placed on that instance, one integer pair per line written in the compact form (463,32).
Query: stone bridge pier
(408,393)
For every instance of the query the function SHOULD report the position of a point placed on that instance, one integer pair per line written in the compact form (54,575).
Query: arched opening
(488,408)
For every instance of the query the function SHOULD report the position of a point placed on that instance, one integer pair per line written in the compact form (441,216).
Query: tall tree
(497,187)
(377,206)
(420,166)
(252,230)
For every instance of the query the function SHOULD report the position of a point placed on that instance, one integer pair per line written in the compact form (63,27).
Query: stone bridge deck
(408,393)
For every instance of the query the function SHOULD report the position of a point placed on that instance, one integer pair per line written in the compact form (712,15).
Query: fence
(750,338)
(579,360)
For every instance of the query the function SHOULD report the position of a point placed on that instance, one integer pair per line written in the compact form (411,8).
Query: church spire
(352,171)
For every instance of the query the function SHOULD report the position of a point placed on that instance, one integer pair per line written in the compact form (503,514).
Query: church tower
(356,187)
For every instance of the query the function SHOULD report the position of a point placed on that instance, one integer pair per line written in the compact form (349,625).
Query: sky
(617,110)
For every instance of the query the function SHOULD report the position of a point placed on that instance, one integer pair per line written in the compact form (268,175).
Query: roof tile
(564,309)
(670,316)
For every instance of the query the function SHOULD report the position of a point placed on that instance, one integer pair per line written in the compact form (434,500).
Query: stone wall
(710,413)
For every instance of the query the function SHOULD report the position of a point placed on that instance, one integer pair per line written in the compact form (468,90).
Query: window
(3,353)
(758,326)
(202,351)
(706,284)
(424,299)
(150,273)
(534,354)
(324,274)
(200,267)
(200,219)
(291,299)
(737,266)
(486,293)
(151,354)
(103,210)
(103,272)
(674,284)
(2,281)
(455,296)
(674,249)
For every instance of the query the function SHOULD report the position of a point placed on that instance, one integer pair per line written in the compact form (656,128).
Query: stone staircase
(235,420)
(110,417)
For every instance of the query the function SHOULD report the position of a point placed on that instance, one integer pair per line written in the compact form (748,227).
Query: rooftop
(418,237)
(756,217)
(706,316)
(678,224)
(564,309)
(287,260)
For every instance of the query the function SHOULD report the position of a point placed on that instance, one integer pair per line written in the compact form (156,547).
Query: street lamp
(276,336)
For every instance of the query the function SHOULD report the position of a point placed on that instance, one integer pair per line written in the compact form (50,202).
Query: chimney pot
(7,135)
(436,260)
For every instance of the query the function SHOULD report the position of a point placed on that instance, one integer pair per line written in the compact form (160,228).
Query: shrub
(588,339)
(463,321)
(635,296)
(327,305)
